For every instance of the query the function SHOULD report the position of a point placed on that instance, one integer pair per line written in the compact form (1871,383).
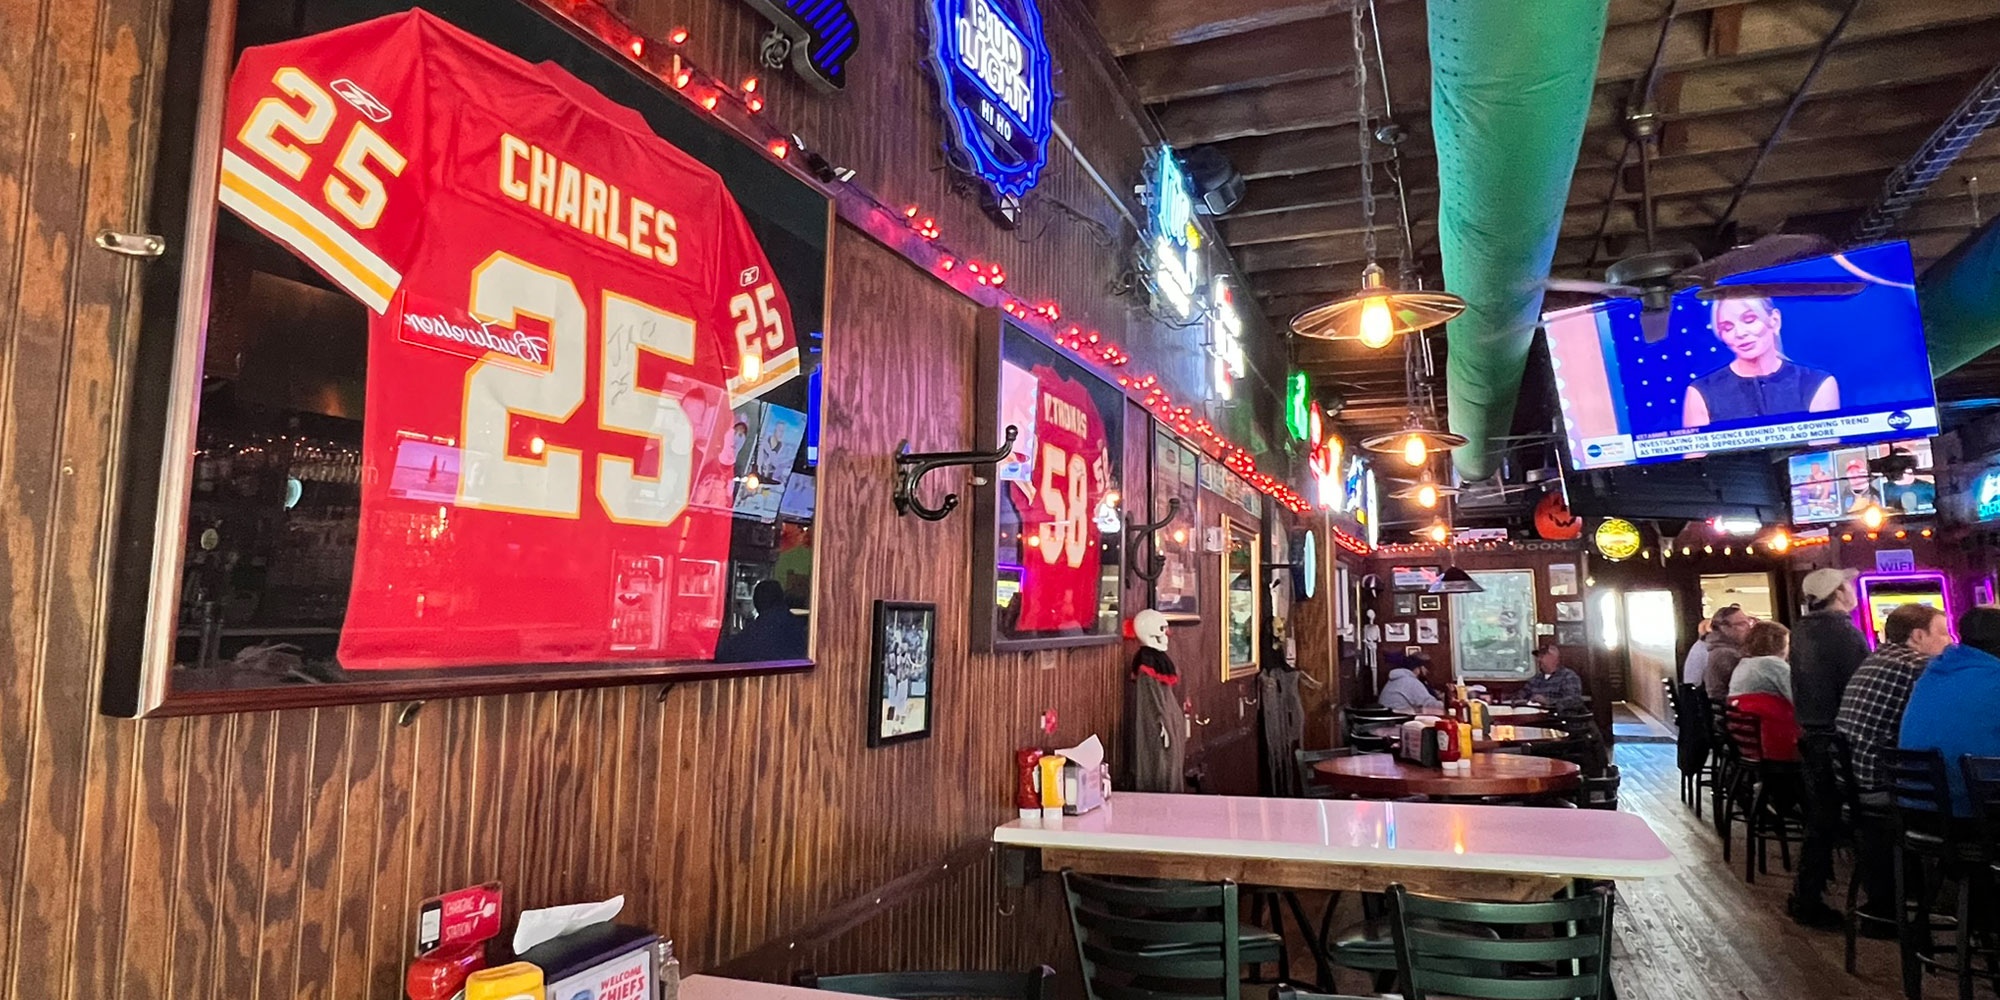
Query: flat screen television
(1834,484)
(1734,374)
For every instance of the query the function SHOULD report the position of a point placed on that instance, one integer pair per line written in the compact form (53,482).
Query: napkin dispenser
(1086,779)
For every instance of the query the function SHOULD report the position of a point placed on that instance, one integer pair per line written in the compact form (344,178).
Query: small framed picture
(1406,604)
(1412,650)
(1396,632)
(900,674)
(1570,634)
(1427,631)
(1430,602)
(1562,580)
(1569,611)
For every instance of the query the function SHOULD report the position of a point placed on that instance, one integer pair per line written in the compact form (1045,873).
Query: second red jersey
(1069,477)
(565,309)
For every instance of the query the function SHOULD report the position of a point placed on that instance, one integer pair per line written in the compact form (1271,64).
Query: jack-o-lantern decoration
(1554,522)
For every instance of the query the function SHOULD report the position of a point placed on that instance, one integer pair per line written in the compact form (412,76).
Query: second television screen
(1748,372)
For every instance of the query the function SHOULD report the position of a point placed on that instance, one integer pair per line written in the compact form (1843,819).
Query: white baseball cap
(1821,584)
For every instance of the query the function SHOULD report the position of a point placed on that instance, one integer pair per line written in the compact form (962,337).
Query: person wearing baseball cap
(1826,647)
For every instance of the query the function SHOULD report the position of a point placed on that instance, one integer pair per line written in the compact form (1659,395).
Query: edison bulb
(1378,327)
(1780,542)
(1439,533)
(1414,451)
(1872,517)
(1427,495)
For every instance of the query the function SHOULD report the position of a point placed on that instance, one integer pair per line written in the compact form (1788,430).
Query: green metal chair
(1573,961)
(1164,941)
(1036,984)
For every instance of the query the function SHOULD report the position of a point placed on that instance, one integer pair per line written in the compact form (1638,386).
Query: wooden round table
(1500,775)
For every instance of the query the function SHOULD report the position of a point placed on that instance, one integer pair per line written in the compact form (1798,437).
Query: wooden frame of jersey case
(1049,524)
(165,558)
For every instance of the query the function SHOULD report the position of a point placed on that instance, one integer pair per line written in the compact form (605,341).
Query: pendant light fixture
(1419,438)
(1379,312)
(1425,490)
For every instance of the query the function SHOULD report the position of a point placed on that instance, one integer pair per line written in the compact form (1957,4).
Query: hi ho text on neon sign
(997,82)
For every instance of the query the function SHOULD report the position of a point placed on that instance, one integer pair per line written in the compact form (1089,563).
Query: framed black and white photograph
(1430,602)
(1569,611)
(900,672)
(1427,631)
(1406,604)
(1396,632)
(1570,634)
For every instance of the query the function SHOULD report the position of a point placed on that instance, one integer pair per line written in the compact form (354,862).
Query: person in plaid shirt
(1871,715)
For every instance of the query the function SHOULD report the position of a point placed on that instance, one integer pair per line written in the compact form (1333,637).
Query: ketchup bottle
(1447,740)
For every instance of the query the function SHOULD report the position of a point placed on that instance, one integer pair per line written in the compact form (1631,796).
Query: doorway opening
(1749,591)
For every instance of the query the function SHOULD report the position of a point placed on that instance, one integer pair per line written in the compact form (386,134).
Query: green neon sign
(1297,392)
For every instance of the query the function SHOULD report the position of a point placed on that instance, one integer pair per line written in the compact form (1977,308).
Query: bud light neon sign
(997,85)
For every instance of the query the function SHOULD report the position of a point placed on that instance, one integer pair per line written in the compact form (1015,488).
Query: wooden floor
(1706,934)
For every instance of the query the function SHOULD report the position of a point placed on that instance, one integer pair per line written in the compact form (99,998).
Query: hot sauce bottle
(1027,782)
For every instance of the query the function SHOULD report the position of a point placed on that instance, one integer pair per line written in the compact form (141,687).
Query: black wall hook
(912,468)
(1154,564)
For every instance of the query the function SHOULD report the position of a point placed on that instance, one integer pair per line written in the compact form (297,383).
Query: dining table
(1492,775)
(1494,852)
(719,988)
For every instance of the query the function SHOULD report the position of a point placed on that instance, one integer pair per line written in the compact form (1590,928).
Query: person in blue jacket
(1955,706)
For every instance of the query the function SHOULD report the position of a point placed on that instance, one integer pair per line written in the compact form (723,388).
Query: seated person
(1554,686)
(1762,686)
(1725,650)
(775,634)
(1406,691)
(1955,706)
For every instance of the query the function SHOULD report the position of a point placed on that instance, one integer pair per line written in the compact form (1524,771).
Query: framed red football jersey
(1053,517)
(564,307)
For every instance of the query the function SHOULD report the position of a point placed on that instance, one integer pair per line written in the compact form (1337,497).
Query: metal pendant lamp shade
(1427,491)
(1432,441)
(1456,581)
(1377,313)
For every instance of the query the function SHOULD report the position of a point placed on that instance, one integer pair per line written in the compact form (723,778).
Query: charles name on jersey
(578,198)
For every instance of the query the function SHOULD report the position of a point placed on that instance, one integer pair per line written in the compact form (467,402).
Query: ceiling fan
(1654,277)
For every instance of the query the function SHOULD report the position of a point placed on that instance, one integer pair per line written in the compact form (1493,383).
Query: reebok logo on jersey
(362,100)
(750,276)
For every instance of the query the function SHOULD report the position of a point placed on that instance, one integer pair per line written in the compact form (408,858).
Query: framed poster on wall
(443,440)
(1049,531)
(1176,475)
(1242,597)
(1493,631)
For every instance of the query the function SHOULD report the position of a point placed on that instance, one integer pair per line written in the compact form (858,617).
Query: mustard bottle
(1052,796)
(516,981)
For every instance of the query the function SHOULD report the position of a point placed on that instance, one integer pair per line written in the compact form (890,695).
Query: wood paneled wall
(281,853)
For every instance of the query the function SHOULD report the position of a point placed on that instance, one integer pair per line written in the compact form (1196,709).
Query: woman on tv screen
(1760,381)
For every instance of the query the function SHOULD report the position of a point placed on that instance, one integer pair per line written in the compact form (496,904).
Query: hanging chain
(1361,131)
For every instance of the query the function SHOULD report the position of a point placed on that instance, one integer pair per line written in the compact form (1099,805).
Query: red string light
(755,104)
(779,148)
(637,46)
(677,36)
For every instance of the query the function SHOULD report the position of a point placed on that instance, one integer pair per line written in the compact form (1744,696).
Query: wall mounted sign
(815,36)
(1230,486)
(997,84)
(1986,495)
(1617,539)
(1895,560)
(1226,339)
(1173,241)
(1305,563)
(1298,405)
(1324,460)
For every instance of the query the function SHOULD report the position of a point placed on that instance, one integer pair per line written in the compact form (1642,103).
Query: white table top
(1567,843)
(718,988)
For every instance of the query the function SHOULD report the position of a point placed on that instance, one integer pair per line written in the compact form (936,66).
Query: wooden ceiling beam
(1303,50)
(1324,251)
(1326,220)
(1289,107)
(1625,13)
(1740,35)
(1334,187)
(1134,26)
(1856,68)
(1288,153)
(1808,160)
